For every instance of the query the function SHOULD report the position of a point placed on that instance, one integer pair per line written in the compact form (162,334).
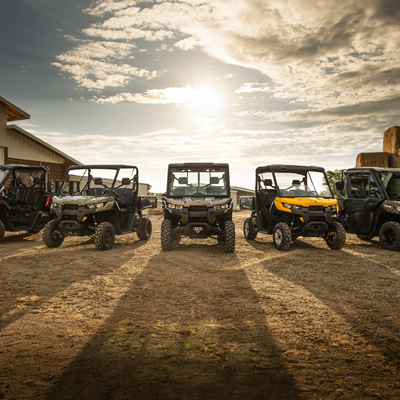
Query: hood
(81,200)
(308,201)
(208,201)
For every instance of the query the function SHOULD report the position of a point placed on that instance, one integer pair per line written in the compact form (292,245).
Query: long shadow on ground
(190,327)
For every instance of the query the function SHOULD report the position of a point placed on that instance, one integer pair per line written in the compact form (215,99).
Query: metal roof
(14,113)
(288,168)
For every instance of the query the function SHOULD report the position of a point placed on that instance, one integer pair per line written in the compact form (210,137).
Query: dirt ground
(196,323)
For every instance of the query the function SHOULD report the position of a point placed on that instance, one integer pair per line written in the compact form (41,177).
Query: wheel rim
(148,228)
(108,238)
(389,236)
(332,236)
(278,237)
(246,229)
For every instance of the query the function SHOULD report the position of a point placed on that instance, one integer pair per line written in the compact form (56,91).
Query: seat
(125,199)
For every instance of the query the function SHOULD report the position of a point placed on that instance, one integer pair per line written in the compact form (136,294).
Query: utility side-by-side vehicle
(292,201)
(98,201)
(198,204)
(371,204)
(24,198)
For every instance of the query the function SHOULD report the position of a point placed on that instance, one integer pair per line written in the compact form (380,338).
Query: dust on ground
(195,323)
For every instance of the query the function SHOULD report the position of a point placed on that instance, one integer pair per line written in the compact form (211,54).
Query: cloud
(187,44)
(151,96)
(251,87)
(98,65)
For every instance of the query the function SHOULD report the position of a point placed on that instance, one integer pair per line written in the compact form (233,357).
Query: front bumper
(198,230)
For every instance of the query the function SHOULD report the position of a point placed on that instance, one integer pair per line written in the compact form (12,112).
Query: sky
(247,82)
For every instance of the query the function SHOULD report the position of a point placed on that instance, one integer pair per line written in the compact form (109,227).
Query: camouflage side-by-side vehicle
(24,198)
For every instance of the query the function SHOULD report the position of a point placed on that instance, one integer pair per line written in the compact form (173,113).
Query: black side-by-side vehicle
(371,204)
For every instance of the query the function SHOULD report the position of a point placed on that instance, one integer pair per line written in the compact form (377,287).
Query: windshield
(22,178)
(307,184)
(3,176)
(84,181)
(187,181)
(391,182)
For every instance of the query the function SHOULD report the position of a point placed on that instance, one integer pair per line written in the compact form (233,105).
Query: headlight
(53,204)
(333,208)
(296,207)
(222,206)
(96,205)
(174,206)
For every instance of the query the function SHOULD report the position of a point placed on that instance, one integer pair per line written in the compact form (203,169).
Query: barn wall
(57,171)
(22,148)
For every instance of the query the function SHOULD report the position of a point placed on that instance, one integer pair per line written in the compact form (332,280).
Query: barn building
(17,146)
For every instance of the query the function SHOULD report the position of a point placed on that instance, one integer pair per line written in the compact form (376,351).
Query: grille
(316,208)
(71,207)
(198,208)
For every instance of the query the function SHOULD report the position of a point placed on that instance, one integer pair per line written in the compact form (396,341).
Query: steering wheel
(197,193)
(313,193)
(7,192)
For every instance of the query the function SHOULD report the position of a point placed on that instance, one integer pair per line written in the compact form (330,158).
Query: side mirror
(339,185)
(125,181)
(214,180)
(183,180)
(98,181)
(267,182)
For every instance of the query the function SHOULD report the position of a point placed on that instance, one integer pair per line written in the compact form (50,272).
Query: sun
(206,102)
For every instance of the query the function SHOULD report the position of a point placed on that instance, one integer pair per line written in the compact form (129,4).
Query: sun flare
(206,103)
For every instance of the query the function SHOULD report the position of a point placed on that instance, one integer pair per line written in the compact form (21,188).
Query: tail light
(49,201)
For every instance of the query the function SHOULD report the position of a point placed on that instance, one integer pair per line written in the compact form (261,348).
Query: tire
(336,236)
(104,236)
(282,236)
(389,236)
(52,236)
(249,230)
(2,230)
(166,235)
(144,229)
(229,229)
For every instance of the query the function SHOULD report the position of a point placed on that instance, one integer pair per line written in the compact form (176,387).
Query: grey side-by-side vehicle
(198,204)
(99,201)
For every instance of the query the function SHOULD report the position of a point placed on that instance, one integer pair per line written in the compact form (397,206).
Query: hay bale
(373,160)
(394,161)
(391,140)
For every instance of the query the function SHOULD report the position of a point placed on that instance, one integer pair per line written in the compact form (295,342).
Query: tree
(148,189)
(333,176)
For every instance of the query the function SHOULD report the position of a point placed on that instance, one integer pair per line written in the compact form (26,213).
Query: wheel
(166,235)
(282,236)
(104,236)
(2,230)
(229,229)
(249,230)
(144,229)
(336,236)
(52,236)
(389,235)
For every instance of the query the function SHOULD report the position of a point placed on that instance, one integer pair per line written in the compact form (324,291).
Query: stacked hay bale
(389,158)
